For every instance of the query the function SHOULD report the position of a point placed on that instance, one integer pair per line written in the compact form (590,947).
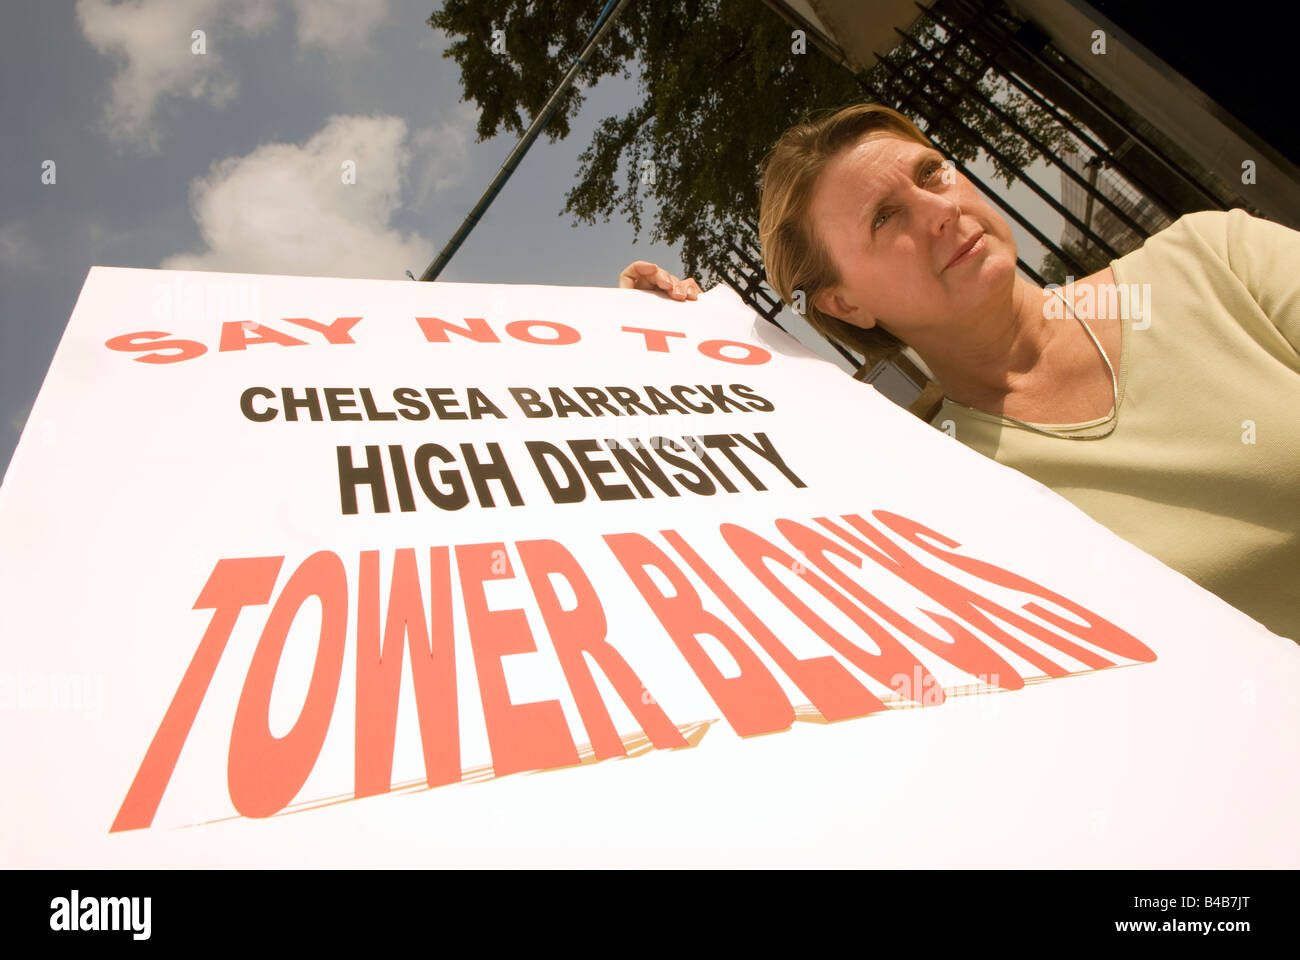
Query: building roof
(850,31)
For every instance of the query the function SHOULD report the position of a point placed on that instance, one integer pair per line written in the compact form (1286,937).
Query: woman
(1160,395)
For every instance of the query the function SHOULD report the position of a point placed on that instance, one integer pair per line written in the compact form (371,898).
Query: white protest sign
(302,571)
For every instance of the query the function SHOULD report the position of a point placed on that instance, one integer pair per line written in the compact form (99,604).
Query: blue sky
(230,159)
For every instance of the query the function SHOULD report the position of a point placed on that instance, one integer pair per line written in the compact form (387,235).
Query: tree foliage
(720,80)
(719,83)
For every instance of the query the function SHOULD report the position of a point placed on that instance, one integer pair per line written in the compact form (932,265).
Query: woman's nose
(944,214)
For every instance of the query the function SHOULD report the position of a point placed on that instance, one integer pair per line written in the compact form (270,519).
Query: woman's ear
(832,303)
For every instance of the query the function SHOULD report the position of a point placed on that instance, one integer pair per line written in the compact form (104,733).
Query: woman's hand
(644,275)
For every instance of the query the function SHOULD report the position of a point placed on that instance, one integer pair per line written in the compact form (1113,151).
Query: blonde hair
(794,256)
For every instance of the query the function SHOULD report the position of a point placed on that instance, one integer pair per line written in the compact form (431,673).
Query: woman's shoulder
(1221,232)
(1201,237)
(1238,241)
(1199,229)
(1233,255)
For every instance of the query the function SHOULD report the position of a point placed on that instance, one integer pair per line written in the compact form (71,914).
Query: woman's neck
(987,357)
(1018,353)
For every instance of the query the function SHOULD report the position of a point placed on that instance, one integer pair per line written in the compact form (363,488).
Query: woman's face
(899,223)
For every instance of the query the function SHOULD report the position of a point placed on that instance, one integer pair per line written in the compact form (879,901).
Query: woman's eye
(932,170)
(880,220)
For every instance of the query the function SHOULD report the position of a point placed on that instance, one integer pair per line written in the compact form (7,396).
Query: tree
(720,84)
(721,80)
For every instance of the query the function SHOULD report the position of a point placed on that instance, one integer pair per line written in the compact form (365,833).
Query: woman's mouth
(967,250)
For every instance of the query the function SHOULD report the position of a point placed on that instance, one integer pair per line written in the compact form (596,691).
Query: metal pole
(512,161)
(1093,166)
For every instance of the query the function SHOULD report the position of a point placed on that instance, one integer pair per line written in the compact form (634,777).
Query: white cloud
(17,248)
(152,42)
(442,153)
(338,26)
(284,208)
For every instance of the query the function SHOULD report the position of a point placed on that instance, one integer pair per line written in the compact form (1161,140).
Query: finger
(644,275)
(667,284)
(686,289)
(634,273)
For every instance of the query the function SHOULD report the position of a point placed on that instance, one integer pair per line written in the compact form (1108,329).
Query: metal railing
(982,82)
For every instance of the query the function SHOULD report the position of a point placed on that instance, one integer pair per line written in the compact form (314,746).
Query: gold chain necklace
(1113,419)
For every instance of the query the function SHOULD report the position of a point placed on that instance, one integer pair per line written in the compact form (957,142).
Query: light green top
(1203,469)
